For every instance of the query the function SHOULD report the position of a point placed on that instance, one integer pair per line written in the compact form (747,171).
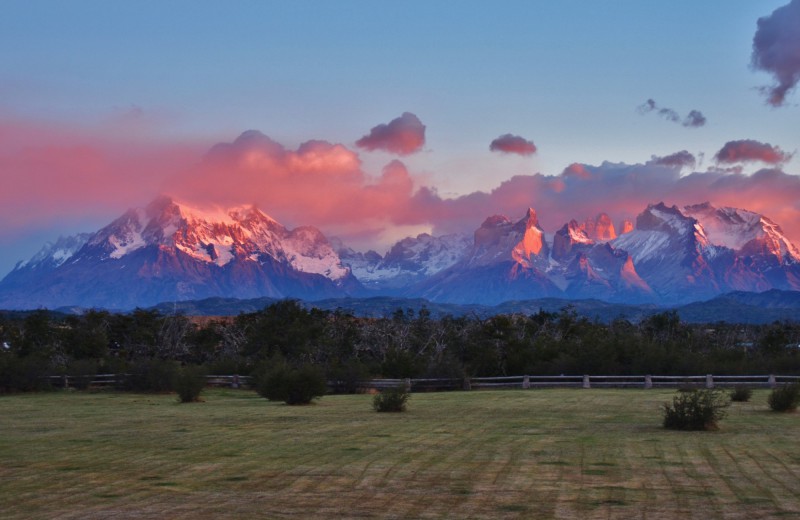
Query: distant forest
(405,344)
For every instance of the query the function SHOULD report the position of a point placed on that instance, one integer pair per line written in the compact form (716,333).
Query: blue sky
(567,75)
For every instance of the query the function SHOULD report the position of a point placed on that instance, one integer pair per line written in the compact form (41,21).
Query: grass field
(482,454)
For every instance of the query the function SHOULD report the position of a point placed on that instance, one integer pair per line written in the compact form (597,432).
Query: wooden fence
(476,383)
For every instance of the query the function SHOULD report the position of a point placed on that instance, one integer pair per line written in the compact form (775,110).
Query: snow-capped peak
(741,229)
(53,254)
(219,236)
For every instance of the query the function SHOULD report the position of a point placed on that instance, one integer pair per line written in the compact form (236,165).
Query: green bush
(291,385)
(189,383)
(391,400)
(785,398)
(700,410)
(741,394)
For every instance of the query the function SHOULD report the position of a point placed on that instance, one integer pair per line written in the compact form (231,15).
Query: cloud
(319,183)
(621,190)
(576,170)
(51,175)
(776,50)
(55,173)
(508,143)
(676,160)
(403,136)
(694,119)
(748,150)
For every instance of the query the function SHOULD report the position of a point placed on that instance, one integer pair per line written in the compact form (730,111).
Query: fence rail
(437,384)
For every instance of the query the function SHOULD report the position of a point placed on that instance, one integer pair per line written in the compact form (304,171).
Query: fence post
(407,384)
(467,384)
(586,381)
(65,380)
(772,381)
(235,382)
(648,381)
(526,382)
(709,381)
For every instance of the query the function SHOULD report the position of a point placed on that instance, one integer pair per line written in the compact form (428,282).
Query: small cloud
(694,119)
(647,106)
(776,50)
(509,143)
(675,160)
(748,150)
(403,136)
(669,115)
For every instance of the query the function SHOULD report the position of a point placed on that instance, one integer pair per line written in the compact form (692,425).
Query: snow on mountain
(569,237)
(408,261)
(744,231)
(219,236)
(53,254)
(672,253)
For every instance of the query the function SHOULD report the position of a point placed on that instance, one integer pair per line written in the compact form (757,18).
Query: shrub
(741,394)
(785,398)
(189,382)
(391,400)
(26,374)
(292,385)
(700,410)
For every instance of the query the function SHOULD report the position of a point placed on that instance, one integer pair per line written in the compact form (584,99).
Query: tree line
(405,344)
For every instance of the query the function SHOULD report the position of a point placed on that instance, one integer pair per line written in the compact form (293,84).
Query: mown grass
(481,454)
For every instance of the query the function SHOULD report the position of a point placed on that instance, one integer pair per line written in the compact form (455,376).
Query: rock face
(507,261)
(168,251)
(600,228)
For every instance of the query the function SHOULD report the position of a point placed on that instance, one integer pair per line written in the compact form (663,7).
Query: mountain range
(169,251)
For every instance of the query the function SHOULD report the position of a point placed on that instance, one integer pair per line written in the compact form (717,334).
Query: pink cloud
(403,136)
(509,143)
(319,183)
(54,173)
(776,50)
(748,150)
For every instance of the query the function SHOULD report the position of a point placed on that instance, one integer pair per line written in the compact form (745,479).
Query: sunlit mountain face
(170,251)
